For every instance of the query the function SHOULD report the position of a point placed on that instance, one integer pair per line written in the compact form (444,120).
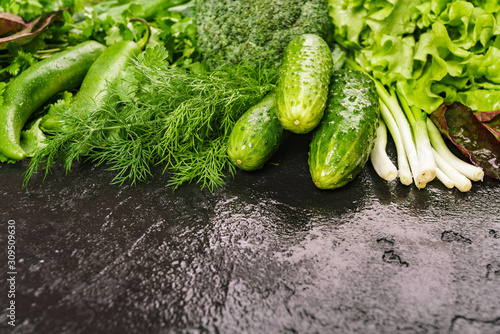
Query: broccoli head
(257,31)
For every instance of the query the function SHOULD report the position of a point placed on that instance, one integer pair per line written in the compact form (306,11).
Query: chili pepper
(108,68)
(105,68)
(36,85)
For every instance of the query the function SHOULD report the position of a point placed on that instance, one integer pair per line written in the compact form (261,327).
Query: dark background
(266,253)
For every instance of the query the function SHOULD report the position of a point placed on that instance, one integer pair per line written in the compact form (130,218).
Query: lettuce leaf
(435,51)
(470,136)
(349,19)
(27,32)
(10,23)
(491,120)
(480,99)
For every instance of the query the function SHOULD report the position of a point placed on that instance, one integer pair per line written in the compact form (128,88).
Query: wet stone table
(266,253)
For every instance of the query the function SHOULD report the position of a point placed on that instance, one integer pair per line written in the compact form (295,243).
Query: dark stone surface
(267,253)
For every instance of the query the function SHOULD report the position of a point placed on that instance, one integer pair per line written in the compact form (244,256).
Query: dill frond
(159,114)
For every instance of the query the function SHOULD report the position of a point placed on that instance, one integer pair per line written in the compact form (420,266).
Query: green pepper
(109,67)
(36,85)
(106,70)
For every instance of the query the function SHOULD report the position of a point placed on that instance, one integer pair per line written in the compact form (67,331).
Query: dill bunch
(158,114)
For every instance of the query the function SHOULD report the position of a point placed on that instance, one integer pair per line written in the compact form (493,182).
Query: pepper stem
(145,39)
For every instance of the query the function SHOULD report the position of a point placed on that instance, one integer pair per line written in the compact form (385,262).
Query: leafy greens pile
(435,51)
(106,22)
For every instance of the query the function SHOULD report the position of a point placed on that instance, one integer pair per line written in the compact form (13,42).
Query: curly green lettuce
(433,51)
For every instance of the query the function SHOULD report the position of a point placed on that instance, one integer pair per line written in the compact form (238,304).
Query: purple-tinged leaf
(493,130)
(31,30)
(10,23)
(486,116)
(470,136)
(491,120)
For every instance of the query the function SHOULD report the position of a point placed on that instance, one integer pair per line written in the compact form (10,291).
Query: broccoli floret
(257,31)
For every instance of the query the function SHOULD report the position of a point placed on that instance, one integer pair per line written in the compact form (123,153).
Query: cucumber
(342,143)
(256,135)
(303,83)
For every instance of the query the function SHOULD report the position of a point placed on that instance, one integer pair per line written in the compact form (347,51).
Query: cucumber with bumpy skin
(255,136)
(303,83)
(342,143)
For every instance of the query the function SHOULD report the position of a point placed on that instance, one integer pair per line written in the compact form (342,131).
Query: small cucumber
(303,83)
(255,136)
(342,143)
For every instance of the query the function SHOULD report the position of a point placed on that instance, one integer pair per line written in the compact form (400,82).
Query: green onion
(426,161)
(405,175)
(472,172)
(458,180)
(404,130)
(441,176)
(379,158)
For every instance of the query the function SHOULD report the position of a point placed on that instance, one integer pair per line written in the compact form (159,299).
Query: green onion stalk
(422,154)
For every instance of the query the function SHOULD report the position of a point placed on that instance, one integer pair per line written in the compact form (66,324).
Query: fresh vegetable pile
(425,55)
(205,87)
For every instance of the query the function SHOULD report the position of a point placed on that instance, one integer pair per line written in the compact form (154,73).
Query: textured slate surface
(267,253)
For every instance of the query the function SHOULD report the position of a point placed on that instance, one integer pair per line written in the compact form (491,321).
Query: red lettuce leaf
(486,116)
(10,23)
(491,120)
(31,30)
(470,136)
